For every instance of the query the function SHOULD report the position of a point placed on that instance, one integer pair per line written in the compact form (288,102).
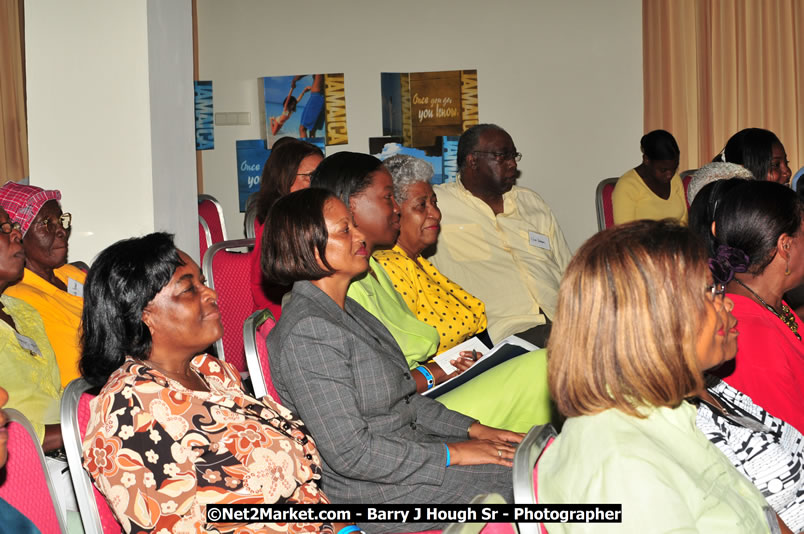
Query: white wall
(88,115)
(563,77)
(90,87)
(170,61)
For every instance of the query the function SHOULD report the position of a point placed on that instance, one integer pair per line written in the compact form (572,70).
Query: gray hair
(406,171)
(712,172)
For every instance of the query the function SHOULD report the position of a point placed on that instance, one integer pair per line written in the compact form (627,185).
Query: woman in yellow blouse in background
(653,189)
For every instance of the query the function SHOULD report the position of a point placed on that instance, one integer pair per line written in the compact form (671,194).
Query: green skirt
(513,395)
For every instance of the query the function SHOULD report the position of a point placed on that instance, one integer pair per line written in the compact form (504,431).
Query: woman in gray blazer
(340,369)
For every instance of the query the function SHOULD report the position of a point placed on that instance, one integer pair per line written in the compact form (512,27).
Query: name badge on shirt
(539,240)
(75,288)
(28,344)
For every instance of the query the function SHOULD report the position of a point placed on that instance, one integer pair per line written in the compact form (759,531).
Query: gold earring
(787,268)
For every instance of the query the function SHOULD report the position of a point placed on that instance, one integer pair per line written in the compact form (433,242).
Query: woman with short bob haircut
(632,363)
(340,369)
(621,378)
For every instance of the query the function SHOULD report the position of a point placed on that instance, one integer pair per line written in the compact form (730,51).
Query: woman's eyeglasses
(716,290)
(51,224)
(9,226)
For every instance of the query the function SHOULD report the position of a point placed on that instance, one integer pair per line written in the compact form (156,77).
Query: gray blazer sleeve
(316,371)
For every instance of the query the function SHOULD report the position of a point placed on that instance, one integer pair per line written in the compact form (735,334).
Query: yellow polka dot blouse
(434,298)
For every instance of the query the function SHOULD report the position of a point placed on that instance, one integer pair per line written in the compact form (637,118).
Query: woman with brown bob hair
(622,378)
(340,369)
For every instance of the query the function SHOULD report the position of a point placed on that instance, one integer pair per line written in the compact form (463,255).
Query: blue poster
(449,172)
(204,126)
(251,157)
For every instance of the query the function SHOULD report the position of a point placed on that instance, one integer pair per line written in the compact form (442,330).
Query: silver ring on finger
(499,453)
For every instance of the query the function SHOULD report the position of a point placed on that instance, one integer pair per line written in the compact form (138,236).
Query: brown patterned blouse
(160,452)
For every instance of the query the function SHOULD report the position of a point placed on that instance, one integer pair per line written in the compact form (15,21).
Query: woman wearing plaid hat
(54,288)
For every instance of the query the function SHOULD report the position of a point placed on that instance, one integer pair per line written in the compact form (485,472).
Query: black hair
(294,230)
(124,278)
(703,209)
(469,140)
(753,149)
(752,216)
(279,172)
(659,145)
(345,174)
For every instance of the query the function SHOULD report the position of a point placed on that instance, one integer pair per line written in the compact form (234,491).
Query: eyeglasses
(716,290)
(499,157)
(51,224)
(9,226)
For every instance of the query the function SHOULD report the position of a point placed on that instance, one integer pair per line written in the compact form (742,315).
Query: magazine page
(508,348)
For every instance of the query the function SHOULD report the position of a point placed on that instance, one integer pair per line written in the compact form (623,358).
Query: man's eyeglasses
(500,157)
(716,290)
(9,226)
(51,224)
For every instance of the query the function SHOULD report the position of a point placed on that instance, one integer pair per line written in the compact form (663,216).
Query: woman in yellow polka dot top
(434,298)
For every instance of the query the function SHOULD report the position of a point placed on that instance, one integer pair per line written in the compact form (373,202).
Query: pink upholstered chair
(210,210)
(605,211)
(255,329)
(204,239)
(525,471)
(226,267)
(95,512)
(686,178)
(26,485)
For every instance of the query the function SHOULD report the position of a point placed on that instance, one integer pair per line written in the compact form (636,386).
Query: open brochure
(508,348)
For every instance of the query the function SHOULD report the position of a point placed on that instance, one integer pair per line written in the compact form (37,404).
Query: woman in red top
(288,169)
(758,251)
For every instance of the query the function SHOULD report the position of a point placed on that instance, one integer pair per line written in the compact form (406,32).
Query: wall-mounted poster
(422,106)
(304,106)
(204,126)
(251,157)
(441,155)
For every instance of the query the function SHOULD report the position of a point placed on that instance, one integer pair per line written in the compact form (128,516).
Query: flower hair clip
(728,261)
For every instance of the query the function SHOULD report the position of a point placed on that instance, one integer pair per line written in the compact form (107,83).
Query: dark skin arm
(52,439)
(462,364)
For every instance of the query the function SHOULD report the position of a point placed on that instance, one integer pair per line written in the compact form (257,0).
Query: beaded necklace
(786,315)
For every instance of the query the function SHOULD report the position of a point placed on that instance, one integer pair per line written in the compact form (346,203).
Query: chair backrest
(210,210)
(255,329)
(686,178)
(26,485)
(227,272)
(795,179)
(482,528)
(525,471)
(95,512)
(204,237)
(605,211)
(251,216)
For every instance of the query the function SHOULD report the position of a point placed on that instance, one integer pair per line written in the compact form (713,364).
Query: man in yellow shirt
(499,241)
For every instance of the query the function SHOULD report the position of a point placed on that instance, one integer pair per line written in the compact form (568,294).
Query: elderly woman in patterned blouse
(173,431)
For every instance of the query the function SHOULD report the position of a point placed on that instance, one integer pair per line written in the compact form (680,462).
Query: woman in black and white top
(765,449)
